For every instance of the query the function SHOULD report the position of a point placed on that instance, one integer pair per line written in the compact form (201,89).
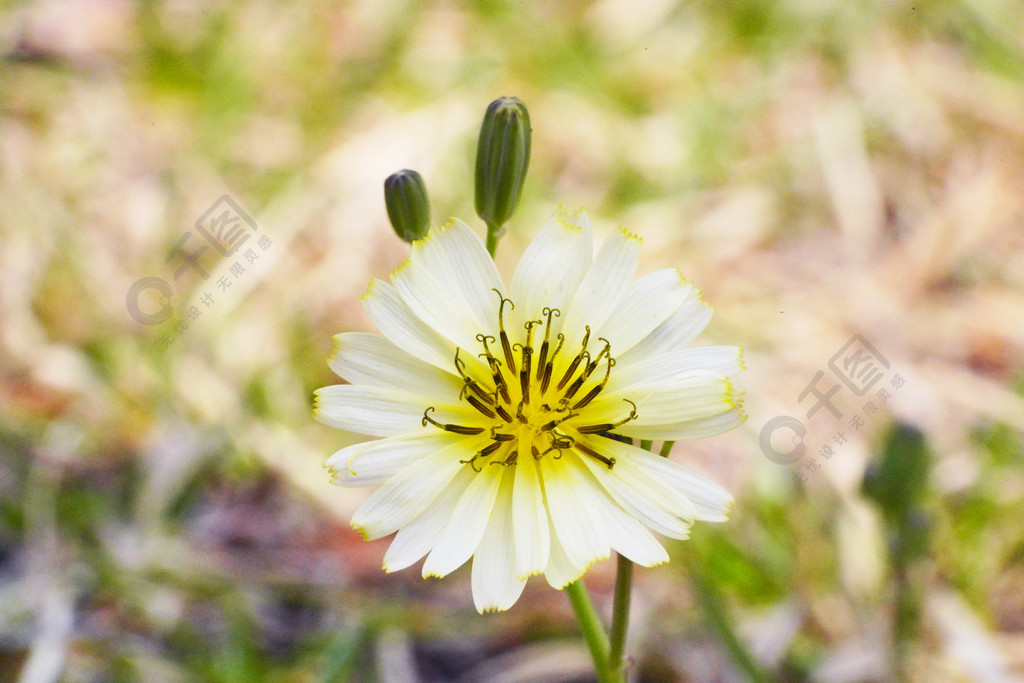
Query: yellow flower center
(534,398)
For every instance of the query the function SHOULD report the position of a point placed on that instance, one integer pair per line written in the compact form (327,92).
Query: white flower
(507,412)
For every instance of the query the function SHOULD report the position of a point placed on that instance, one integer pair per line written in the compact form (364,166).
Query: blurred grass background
(821,169)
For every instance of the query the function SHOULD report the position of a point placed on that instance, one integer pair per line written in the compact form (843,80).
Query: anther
(592,365)
(500,436)
(609,462)
(549,312)
(457,429)
(505,346)
(549,366)
(471,384)
(572,367)
(608,426)
(499,380)
(554,423)
(503,413)
(476,403)
(592,394)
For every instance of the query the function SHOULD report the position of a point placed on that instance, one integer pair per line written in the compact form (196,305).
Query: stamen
(499,379)
(554,423)
(592,394)
(608,426)
(592,365)
(550,448)
(505,346)
(503,413)
(475,402)
(609,462)
(573,388)
(572,367)
(499,436)
(471,384)
(524,373)
(560,440)
(541,363)
(457,429)
(483,339)
(482,453)
(549,366)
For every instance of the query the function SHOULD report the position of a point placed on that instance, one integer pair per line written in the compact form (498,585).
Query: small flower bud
(502,158)
(405,196)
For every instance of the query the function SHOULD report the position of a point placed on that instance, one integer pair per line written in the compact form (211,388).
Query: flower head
(508,413)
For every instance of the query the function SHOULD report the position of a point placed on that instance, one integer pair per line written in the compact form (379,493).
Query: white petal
(442,308)
(677,332)
(407,494)
(637,370)
(460,264)
(711,500)
(551,268)
(575,510)
(399,324)
(384,412)
(531,534)
(366,410)
(374,462)
(495,586)
(467,524)
(630,538)
(685,396)
(656,504)
(604,284)
(560,572)
(689,429)
(648,303)
(371,359)
(415,539)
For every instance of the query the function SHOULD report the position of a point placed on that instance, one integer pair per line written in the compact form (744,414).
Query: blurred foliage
(820,168)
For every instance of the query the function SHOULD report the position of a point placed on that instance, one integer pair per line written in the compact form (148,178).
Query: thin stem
(646,444)
(493,235)
(590,625)
(620,617)
(666,448)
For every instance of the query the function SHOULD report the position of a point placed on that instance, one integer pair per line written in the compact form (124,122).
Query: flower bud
(502,158)
(405,196)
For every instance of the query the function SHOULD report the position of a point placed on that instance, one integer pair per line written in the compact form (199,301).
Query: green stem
(493,235)
(590,625)
(646,444)
(620,618)
(666,448)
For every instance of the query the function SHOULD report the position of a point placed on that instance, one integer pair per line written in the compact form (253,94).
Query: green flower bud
(405,196)
(502,158)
